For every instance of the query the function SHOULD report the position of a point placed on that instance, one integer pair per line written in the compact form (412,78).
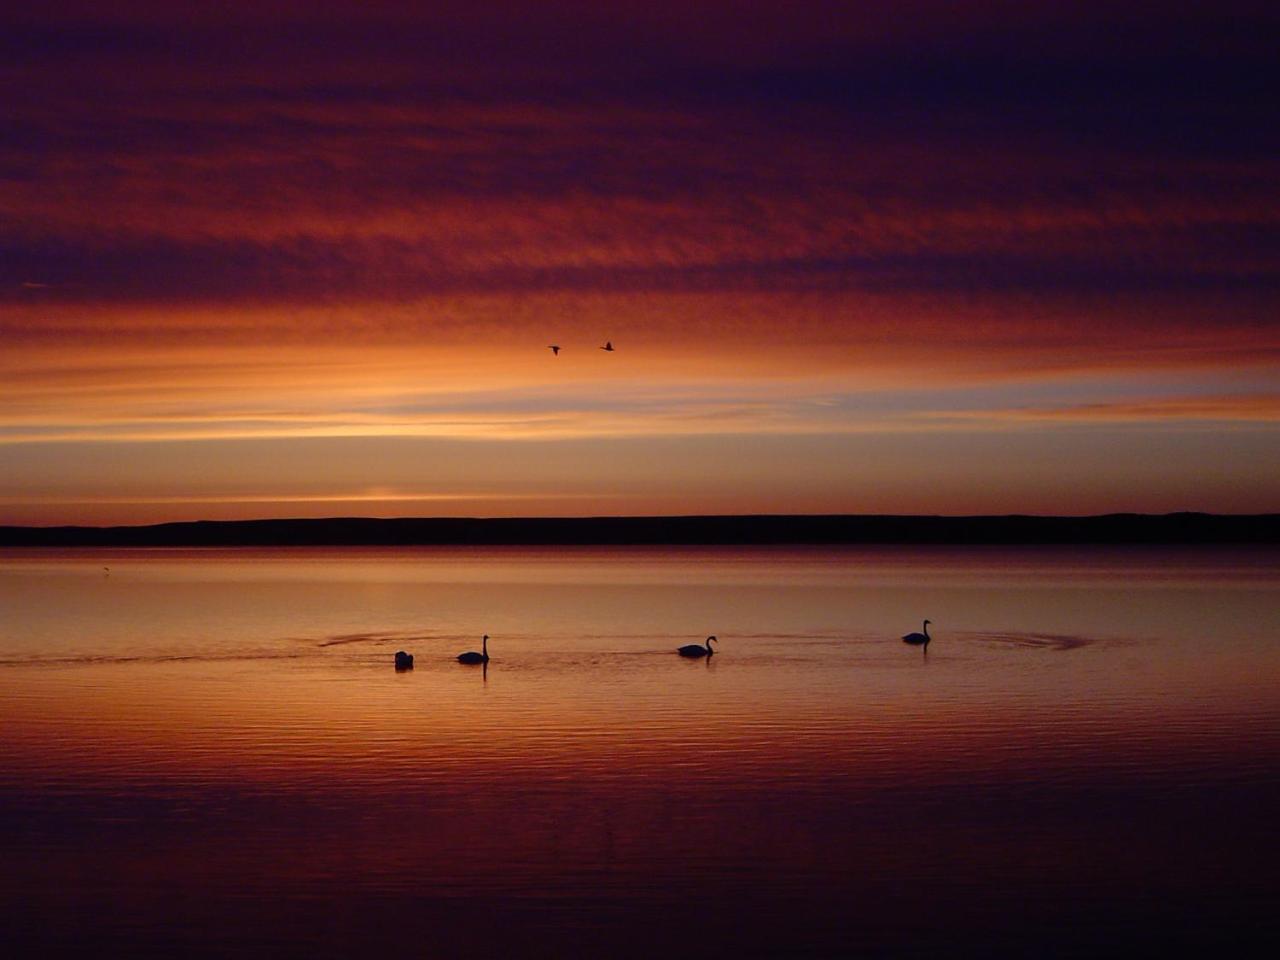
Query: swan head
(927,622)
(709,639)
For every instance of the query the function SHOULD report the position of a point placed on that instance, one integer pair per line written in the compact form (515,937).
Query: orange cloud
(1258,408)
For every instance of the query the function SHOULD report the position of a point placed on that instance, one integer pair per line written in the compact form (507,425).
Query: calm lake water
(209,752)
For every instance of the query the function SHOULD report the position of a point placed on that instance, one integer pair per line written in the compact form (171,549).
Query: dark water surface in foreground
(209,753)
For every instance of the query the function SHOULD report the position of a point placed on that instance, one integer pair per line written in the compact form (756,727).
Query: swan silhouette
(918,639)
(554,348)
(695,650)
(608,346)
(404,661)
(472,657)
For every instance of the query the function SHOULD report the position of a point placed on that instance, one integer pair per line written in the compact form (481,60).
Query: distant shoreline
(1123,528)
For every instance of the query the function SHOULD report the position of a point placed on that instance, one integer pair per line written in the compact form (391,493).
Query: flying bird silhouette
(608,346)
(554,348)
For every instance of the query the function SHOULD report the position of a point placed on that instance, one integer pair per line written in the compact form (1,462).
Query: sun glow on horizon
(834,284)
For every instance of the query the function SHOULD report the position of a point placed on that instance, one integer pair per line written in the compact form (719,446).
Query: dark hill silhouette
(1174,528)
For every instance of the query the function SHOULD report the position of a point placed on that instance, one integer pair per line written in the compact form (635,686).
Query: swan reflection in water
(920,639)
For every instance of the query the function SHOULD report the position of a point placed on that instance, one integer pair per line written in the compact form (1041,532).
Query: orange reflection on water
(219,727)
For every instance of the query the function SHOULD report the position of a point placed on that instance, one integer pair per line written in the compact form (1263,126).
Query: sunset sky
(306,259)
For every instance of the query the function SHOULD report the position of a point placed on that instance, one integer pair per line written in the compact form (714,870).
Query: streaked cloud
(1260,408)
(809,227)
